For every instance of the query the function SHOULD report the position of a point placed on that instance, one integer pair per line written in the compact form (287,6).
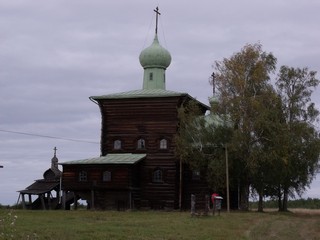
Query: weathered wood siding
(121,177)
(119,192)
(151,119)
(129,120)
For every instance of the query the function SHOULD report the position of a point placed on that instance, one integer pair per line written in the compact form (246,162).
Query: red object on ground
(213,196)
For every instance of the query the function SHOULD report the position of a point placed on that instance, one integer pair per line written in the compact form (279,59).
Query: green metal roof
(144,93)
(115,158)
(213,119)
(155,56)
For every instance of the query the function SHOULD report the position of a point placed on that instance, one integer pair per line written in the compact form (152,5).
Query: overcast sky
(54,54)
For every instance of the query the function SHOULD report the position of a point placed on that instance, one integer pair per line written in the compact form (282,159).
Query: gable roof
(145,93)
(142,93)
(40,187)
(112,158)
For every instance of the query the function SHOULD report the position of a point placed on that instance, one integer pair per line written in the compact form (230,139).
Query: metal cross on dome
(157,14)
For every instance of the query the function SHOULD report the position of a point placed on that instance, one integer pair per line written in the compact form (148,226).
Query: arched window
(106,176)
(163,144)
(151,76)
(157,176)
(83,176)
(117,144)
(141,144)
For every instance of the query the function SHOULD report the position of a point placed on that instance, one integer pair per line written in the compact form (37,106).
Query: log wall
(151,119)
(129,120)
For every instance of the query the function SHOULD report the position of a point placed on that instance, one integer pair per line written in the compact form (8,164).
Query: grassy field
(81,224)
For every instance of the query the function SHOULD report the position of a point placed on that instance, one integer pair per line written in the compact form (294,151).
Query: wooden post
(206,205)
(30,199)
(64,200)
(227,179)
(92,199)
(213,208)
(60,188)
(18,199)
(23,201)
(130,199)
(42,202)
(193,205)
(58,196)
(49,200)
(180,185)
(75,200)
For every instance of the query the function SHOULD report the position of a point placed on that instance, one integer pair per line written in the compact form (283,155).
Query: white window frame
(117,144)
(83,176)
(141,144)
(163,144)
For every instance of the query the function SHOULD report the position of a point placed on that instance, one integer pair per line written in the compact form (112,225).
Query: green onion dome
(155,56)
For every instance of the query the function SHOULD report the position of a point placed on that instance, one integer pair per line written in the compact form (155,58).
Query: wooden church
(45,193)
(138,167)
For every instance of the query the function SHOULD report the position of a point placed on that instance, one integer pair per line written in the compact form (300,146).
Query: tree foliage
(246,95)
(300,150)
(200,143)
(273,145)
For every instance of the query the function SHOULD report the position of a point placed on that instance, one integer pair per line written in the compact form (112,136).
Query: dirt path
(299,224)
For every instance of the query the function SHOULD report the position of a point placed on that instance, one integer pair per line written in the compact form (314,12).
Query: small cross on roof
(157,14)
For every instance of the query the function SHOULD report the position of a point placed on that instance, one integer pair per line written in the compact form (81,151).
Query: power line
(47,136)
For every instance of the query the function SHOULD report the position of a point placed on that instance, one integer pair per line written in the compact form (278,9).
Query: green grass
(156,225)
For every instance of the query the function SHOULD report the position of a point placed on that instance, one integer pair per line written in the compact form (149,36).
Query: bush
(309,203)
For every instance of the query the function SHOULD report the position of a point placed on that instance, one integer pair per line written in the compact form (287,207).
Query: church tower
(155,59)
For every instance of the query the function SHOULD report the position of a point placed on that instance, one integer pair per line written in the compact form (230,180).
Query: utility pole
(227,177)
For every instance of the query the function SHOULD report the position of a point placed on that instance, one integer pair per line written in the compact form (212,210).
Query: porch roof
(40,187)
(112,158)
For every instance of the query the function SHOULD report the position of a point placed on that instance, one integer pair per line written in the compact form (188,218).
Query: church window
(141,144)
(157,176)
(117,144)
(163,144)
(83,176)
(150,76)
(106,176)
